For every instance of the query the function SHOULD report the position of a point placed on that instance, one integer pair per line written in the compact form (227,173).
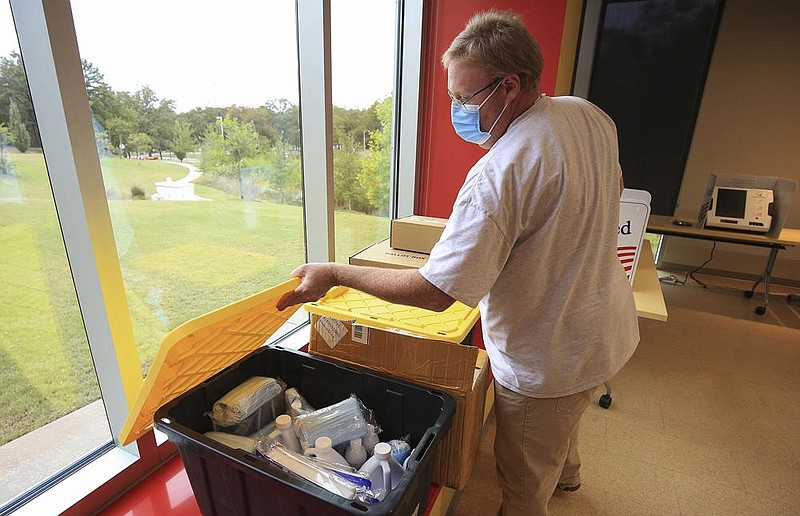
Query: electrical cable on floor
(673,279)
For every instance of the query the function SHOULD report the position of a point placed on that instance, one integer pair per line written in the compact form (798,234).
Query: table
(647,288)
(663,225)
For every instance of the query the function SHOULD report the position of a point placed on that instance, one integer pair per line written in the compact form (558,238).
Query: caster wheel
(605,401)
(760,310)
(748,294)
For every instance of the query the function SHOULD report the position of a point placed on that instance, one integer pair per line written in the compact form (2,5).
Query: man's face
(463,80)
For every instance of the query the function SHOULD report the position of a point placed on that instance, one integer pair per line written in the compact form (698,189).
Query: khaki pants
(536,447)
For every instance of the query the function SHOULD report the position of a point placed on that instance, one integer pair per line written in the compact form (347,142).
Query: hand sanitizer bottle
(284,433)
(356,454)
(384,472)
(323,450)
(371,439)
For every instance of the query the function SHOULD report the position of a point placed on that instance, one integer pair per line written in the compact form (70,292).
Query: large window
(363,62)
(50,409)
(178,189)
(198,133)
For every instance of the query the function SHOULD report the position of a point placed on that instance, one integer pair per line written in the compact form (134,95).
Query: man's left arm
(405,287)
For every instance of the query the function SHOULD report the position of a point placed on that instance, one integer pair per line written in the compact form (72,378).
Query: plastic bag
(249,406)
(341,422)
(306,468)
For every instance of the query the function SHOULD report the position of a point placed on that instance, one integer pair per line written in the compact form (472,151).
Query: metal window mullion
(52,64)
(407,70)
(314,56)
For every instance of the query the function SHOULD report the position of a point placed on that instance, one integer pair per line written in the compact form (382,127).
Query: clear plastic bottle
(355,453)
(323,450)
(384,472)
(370,439)
(284,433)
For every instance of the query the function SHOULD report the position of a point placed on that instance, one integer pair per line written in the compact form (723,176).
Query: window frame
(49,49)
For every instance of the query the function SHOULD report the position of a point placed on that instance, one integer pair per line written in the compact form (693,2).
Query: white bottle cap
(382,450)
(323,443)
(283,421)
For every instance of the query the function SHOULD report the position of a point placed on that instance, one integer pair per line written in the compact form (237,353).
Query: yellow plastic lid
(347,304)
(201,347)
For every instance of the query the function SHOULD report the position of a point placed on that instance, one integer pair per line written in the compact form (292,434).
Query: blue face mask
(466,119)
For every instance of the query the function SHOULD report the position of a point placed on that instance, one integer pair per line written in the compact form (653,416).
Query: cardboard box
(382,255)
(461,371)
(458,451)
(434,363)
(416,233)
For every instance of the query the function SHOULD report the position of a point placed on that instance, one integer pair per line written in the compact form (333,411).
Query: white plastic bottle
(355,453)
(370,439)
(284,433)
(322,449)
(384,472)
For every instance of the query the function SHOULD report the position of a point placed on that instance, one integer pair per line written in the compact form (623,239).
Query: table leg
(773,254)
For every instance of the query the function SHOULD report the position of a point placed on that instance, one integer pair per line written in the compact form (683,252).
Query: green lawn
(178,260)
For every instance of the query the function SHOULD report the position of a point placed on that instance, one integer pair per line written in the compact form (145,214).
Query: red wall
(443,157)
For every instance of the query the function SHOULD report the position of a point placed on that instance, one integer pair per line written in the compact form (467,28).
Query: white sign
(634,212)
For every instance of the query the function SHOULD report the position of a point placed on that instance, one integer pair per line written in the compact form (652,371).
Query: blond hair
(500,43)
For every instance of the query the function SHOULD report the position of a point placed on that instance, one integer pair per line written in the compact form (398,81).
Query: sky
(199,54)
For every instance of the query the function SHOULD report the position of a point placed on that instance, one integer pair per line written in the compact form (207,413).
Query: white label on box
(331,330)
(360,334)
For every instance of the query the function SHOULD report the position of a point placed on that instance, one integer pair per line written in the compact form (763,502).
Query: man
(532,239)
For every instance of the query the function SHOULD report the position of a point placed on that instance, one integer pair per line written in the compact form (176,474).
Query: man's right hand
(316,280)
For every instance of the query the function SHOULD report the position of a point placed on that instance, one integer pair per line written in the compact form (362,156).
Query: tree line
(250,152)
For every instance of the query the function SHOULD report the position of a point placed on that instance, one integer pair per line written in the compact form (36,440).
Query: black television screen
(730,203)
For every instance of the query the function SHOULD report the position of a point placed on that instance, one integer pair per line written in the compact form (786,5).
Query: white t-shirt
(533,238)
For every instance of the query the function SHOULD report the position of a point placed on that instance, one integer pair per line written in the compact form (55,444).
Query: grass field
(178,260)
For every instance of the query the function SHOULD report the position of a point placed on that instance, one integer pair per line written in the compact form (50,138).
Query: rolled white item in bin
(235,406)
(306,468)
(341,422)
(247,444)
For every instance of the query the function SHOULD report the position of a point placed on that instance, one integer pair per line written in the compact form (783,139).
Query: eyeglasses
(461,103)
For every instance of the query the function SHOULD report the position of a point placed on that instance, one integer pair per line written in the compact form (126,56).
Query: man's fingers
(299,272)
(286,300)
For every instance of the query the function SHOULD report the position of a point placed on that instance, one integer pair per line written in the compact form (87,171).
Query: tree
(348,192)
(226,150)
(284,175)
(354,124)
(376,165)
(182,142)
(140,143)
(5,165)
(155,117)
(14,87)
(200,118)
(286,118)
(260,118)
(20,137)
(102,100)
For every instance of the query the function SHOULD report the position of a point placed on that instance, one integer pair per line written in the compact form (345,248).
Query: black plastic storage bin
(229,481)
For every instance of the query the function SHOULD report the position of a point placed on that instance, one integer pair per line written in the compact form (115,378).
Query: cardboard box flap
(347,304)
(201,347)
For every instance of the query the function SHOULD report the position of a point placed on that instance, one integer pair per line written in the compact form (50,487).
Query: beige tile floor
(705,418)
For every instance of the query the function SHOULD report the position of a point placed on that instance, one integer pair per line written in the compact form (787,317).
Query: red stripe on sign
(627,247)
(627,253)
